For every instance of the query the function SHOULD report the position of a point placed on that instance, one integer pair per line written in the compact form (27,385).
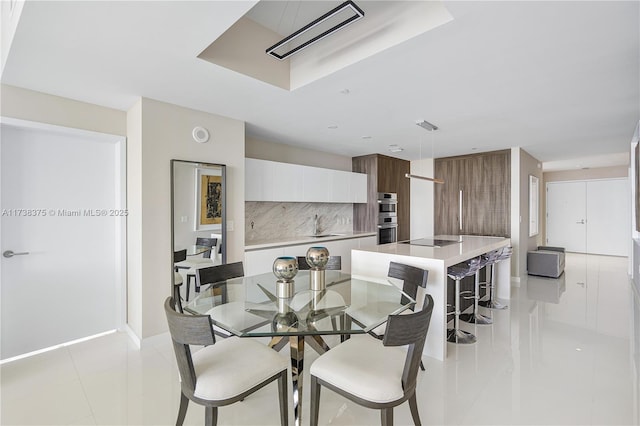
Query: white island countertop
(463,247)
(373,261)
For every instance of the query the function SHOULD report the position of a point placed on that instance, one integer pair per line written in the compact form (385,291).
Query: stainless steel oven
(387,218)
(387,233)
(387,203)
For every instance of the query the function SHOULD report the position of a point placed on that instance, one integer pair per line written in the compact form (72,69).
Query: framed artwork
(209,199)
(534,193)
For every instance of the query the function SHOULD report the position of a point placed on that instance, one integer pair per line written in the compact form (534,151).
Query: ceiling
(559,79)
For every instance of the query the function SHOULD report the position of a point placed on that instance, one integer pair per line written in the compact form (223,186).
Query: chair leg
(211,416)
(315,401)
(186,296)
(182,411)
(283,398)
(386,416)
(422,366)
(177,298)
(413,406)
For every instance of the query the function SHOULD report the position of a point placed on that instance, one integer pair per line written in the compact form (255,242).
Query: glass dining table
(252,308)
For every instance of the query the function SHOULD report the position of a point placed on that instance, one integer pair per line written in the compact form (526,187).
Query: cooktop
(431,242)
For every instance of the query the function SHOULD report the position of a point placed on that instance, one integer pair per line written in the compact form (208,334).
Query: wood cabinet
(481,184)
(386,174)
(274,181)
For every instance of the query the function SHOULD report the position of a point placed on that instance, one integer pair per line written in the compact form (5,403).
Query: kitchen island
(434,255)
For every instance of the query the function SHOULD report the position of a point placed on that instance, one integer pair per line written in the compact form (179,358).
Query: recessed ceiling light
(366,137)
(395,148)
(333,126)
(345,91)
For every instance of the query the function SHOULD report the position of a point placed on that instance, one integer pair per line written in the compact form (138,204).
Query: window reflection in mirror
(198,204)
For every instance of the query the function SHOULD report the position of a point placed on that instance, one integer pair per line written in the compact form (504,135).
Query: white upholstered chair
(376,374)
(222,372)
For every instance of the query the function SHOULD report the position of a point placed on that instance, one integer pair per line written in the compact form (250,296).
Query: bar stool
(457,273)
(492,303)
(476,317)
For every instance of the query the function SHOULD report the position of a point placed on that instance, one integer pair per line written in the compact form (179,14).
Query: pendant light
(430,128)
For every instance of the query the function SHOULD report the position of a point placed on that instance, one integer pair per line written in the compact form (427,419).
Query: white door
(566,215)
(589,216)
(608,217)
(61,202)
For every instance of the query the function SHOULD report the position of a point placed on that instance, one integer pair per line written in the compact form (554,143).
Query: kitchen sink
(324,235)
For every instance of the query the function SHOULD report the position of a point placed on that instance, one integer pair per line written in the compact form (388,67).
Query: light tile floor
(562,354)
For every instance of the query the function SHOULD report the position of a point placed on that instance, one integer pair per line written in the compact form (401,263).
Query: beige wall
(264,150)
(529,166)
(43,108)
(594,173)
(165,135)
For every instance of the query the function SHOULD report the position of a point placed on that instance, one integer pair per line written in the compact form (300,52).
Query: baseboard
(133,336)
(147,341)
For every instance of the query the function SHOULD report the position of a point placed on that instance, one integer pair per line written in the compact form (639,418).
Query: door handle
(581,222)
(460,210)
(10,253)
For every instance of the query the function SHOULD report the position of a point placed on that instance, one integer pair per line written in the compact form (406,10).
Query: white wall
(422,200)
(10,12)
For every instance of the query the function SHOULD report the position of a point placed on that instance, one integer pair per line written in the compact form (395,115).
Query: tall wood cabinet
(386,174)
(481,183)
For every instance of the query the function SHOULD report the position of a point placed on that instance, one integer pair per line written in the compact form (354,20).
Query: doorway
(62,235)
(592,216)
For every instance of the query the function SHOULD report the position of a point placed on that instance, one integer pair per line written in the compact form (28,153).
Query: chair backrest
(334,263)
(411,330)
(207,242)
(187,330)
(179,256)
(219,273)
(412,277)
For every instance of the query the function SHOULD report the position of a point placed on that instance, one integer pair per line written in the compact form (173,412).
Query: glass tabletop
(346,306)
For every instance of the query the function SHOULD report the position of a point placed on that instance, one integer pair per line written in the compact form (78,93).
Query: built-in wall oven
(387,218)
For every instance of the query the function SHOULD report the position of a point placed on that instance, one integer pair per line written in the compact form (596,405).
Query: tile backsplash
(274,221)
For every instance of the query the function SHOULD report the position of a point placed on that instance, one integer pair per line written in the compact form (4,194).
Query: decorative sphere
(283,322)
(285,268)
(317,257)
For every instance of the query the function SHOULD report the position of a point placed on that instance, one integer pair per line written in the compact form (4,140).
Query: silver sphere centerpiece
(317,258)
(285,269)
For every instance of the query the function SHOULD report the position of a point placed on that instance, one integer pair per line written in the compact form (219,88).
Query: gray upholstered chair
(178,256)
(194,263)
(376,374)
(222,372)
(217,276)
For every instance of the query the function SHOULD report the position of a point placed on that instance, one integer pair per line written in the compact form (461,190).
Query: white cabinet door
(358,188)
(253,183)
(284,182)
(315,183)
(339,186)
(260,261)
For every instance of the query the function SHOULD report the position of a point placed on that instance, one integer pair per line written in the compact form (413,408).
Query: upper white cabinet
(273,181)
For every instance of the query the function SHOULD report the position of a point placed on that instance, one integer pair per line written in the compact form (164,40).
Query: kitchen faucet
(315,225)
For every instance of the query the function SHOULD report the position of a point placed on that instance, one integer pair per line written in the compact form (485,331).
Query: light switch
(184,219)
(229,225)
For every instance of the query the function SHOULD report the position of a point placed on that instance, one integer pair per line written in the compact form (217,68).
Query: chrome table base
(476,318)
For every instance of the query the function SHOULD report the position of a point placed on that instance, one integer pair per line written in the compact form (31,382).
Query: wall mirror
(534,192)
(198,213)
